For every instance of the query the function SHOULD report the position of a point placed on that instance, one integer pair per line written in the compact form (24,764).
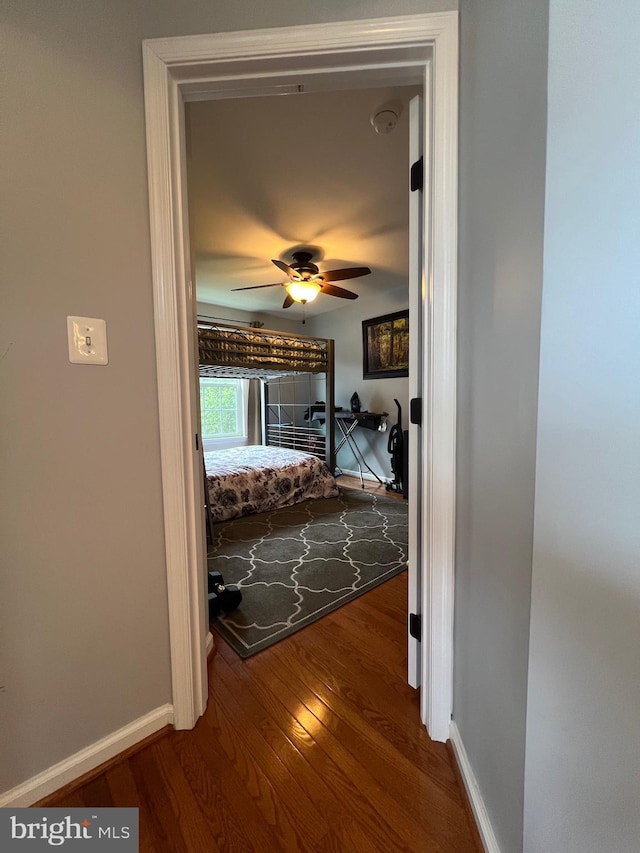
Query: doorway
(269,174)
(200,67)
(266,175)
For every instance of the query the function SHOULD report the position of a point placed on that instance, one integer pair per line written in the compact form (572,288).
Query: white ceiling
(268,175)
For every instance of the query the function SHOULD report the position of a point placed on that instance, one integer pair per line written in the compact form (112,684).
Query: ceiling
(270,175)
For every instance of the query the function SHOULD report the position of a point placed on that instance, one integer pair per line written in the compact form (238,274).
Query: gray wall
(237,315)
(376,395)
(582,790)
(502,161)
(83,576)
(83,592)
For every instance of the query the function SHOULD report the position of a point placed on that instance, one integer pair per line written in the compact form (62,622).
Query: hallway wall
(502,166)
(583,743)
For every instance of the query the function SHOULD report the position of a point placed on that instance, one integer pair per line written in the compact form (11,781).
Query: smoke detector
(385,118)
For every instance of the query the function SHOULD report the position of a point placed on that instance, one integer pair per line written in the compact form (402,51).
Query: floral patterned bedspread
(245,480)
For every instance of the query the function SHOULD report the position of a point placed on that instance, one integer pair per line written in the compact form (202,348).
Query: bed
(296,458)
(245,480)
(296,374)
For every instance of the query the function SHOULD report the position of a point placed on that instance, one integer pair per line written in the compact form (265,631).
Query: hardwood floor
(314,744)
(349,481)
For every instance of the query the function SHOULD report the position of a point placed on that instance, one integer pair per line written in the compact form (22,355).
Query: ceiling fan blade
(258,286)
(288,301)
(341,275)
(332,290)
(286,269)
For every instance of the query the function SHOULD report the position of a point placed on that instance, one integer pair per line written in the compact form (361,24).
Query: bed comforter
(246,480)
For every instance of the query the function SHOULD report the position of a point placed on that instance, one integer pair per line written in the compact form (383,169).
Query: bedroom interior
(318,189)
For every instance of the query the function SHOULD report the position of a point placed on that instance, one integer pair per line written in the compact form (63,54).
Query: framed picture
(385,346)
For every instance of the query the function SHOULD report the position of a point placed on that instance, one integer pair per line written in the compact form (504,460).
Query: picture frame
(385,346)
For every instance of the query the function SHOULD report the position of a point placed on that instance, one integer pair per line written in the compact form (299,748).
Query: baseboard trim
(365,476)
(209,644)
(55,777)
(480,813)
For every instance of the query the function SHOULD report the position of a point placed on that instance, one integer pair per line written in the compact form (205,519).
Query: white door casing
(409,48)
(417,299)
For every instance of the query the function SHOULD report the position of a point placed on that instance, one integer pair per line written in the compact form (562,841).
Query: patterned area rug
(296,564)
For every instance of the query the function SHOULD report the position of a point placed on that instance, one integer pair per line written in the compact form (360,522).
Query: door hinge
(415,626)
(417,175)
(415,411)
(197,442)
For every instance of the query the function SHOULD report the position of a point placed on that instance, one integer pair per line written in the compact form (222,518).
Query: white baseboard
(209,643)
(365,475)
(87,759)
(473,791)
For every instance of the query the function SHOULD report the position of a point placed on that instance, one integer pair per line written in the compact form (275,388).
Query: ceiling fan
(306,281)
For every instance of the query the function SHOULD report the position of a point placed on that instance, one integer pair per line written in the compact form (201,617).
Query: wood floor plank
(96,793)
(276,725)
(414,792)
(277,802)
(349,481)
(379,621)
(314,744)
(338,742)
(378,705)
(301,811)
(200,830)
(379,618)
(206,791)
(72,800)
(235,802)
(124,792)
(336,637)
(360,793)
(362,701)
(165,826)
(339,646)
(391,657)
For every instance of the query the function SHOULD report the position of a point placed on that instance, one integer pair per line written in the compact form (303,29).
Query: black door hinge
(415,411)
(417,175)
(197,442)
(415,625)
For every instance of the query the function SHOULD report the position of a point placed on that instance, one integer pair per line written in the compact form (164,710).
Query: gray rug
(294,565)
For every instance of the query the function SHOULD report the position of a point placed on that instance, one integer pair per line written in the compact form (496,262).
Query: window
(222,408)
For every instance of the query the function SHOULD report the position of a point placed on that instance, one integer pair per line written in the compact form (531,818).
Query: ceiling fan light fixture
(306,281)
(303,291)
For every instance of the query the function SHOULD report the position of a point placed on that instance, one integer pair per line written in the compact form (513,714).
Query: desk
(347,423)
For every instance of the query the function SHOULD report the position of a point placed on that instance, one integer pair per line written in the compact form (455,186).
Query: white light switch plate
(87,340)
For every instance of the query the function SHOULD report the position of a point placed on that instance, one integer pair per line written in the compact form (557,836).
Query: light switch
(87,340)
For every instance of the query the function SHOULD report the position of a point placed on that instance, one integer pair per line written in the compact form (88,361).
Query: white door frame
(196,67)
(418,107)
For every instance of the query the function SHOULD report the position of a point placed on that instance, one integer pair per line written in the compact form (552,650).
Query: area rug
(296,564)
